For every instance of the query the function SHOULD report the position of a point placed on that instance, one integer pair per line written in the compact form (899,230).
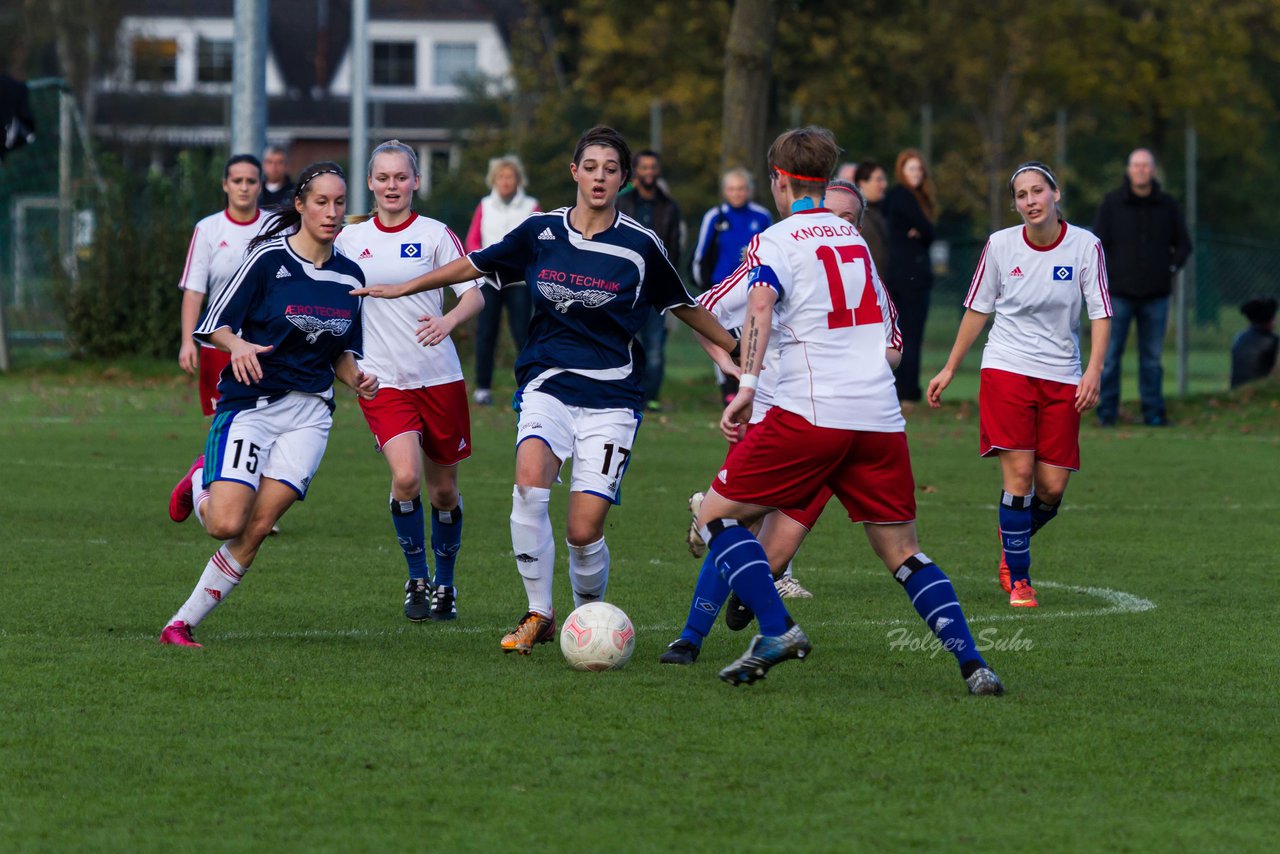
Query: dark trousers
(653,338)
(519,309)
(1152,317)
(913,310)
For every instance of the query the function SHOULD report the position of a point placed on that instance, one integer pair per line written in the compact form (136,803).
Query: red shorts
(786,462)
(806,515)
(438,414)
(212,361)
(1020,413)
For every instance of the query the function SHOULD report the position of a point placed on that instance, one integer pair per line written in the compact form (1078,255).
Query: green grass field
(1140,711)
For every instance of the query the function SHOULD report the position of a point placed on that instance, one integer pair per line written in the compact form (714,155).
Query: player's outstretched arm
(755,340)
(705,324)
(1091,382)
(432,330)
(346,370)
(723,360)
(189,351)
(971,326)
(244,354)
(456,271)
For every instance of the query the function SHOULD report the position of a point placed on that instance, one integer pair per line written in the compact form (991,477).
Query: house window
(395,64)
(213,61)
(155,60)
(454,63)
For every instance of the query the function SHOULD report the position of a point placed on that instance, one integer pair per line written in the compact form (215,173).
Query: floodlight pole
(249,78)
(359,146)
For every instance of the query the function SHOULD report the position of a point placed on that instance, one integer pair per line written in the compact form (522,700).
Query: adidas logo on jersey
(223,245)
(1016,274)
(282,273)
(365,254)
(546,235)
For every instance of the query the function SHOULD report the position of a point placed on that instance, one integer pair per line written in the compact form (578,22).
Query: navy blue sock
(411,531)
(742,561)
(446,539)
(709,595)
(1015,534)
(935,601)
(1042,514)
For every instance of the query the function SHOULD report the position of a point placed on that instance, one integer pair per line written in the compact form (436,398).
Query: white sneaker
(789,588)
(483,397)
(697,547)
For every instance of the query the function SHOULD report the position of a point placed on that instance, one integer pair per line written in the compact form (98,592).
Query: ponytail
(284,217)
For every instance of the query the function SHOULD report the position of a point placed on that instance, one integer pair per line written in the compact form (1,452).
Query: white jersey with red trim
(389,256)
(1036,293)
(832,321)
(218,248)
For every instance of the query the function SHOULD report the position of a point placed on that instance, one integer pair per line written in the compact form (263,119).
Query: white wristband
(749,381)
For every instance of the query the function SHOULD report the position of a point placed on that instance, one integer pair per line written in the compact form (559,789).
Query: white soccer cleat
(789,588)
(697,547)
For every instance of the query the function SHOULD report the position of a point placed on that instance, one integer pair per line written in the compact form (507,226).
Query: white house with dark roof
(170,86)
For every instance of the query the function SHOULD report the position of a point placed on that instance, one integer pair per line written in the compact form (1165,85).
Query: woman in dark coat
(909,210)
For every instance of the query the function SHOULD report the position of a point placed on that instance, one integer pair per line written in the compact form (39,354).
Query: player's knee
(405,485)
(223,524)
(443,496)
(580,533)
(1050,493)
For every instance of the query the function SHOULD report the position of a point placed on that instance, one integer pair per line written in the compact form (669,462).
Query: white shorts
(599,441)
(283,440)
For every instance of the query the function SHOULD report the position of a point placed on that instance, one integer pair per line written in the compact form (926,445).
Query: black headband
(298,192)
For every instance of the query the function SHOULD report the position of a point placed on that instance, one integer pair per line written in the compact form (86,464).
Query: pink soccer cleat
(181,499)
(178,633)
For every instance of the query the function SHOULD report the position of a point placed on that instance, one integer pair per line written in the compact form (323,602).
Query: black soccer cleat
(444,603)
(680,651)
(417,600)
(737,616)
(766,652)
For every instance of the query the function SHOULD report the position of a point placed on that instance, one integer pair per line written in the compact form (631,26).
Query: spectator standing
(1253,353)
(1145,239)
(503,209)
(722,241)
(277,186)
(909,214)
(871,180)
(649,203)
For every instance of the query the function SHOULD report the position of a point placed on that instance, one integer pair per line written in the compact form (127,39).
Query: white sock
(534,545)
(588,571)
(199,495)
(221,575)
(786,573)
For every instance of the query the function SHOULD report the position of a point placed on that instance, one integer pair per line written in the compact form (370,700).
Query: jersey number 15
(868,310)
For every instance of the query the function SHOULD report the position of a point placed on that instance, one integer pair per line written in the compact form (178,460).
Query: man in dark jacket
(648,203)
(1146,242)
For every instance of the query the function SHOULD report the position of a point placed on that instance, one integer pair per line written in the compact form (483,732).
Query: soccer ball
(597,636)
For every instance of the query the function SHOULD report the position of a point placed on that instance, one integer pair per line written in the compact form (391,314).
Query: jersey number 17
(868,310)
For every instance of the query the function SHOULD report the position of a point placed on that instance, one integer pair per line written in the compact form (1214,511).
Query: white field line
(1115,602)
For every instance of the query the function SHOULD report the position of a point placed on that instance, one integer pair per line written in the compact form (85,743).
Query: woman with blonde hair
(909,213)
(503,209)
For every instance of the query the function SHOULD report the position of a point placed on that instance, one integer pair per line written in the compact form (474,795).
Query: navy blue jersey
(590,298)
(306,313)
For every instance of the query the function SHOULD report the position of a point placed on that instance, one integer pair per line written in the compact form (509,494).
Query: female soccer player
(299,328)
(503,209)
(1034,277)
(595,276)
(217,250)
(420,418)
(909,212)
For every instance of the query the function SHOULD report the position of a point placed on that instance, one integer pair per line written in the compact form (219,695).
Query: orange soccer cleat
(532,629)
(1023,595)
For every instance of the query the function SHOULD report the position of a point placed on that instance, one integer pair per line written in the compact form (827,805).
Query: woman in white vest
(503,209)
